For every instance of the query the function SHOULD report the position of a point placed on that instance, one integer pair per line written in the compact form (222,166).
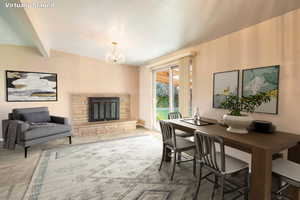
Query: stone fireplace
(94,114)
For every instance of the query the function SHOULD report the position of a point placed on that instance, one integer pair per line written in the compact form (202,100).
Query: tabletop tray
(196,123)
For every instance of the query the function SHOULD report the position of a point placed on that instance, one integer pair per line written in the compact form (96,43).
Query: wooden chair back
(168,133)
(174,115)
(206,149)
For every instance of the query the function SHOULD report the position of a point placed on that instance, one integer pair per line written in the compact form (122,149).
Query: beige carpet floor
(16,171)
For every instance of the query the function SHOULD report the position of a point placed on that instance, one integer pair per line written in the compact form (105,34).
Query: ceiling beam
(37,34)
(169,60)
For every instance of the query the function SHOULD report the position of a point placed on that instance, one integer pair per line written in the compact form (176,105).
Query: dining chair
(174,115)
(210,152)
(288,173)
(175,144)
(178,115)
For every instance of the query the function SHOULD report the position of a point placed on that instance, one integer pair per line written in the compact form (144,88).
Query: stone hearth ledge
(95,128)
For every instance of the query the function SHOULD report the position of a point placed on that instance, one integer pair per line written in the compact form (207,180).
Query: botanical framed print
(224,83)
(263,79)
(30,86)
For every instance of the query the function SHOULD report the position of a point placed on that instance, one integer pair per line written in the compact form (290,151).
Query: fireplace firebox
(104,108)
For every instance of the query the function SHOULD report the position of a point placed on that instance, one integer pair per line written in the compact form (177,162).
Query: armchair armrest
(59,120)
(10,116)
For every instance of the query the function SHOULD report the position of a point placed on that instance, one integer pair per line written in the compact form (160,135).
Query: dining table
(261,146)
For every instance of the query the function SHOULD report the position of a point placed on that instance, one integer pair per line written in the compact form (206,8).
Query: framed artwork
(224,83)
(30,86)
(263,79)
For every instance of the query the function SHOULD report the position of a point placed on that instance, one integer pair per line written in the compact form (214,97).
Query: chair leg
(174,165)
(246,195)
(70,139)
(179,157)
(194,166)
(162,157)
(222,188)
(199,183)
(25,151)
(215,187)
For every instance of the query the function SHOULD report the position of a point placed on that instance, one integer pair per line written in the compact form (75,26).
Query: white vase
(237,124)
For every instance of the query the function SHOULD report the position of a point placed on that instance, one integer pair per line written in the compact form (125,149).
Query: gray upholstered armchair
(30,126)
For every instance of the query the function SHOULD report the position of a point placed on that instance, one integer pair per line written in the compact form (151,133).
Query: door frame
(171,103)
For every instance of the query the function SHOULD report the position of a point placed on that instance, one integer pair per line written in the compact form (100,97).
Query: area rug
(124,169)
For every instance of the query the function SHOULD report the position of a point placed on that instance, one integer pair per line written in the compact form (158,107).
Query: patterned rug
(125,169)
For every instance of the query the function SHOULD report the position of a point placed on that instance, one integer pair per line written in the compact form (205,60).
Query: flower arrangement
(248,104)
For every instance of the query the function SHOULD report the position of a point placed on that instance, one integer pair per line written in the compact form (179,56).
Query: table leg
(293,155)
(261,174)
(294,193)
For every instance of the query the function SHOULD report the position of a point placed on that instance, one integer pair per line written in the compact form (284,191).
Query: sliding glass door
(175,88)
(166,98)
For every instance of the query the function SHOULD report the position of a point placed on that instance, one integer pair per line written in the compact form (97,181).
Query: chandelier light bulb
(115,56)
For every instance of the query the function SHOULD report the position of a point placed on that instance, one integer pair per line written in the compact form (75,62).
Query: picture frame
(225,82)
(263,79)
(25,86)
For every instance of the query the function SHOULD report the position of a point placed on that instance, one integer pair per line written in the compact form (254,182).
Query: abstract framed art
(24,86)
(224,83)
(263,79)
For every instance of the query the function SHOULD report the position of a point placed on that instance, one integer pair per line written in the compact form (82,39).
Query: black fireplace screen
(104,108)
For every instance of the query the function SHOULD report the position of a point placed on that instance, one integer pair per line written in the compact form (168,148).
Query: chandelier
(115,56)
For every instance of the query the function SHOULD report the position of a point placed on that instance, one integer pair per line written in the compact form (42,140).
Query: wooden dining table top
(274,142)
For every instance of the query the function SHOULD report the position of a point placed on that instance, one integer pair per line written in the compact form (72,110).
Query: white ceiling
(145,29)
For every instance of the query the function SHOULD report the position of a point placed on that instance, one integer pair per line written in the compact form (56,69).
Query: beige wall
(76,74)
(145,96)
(276,41)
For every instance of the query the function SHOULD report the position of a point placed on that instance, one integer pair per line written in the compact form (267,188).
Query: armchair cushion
(16,113)
(36,117)
(40,130)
